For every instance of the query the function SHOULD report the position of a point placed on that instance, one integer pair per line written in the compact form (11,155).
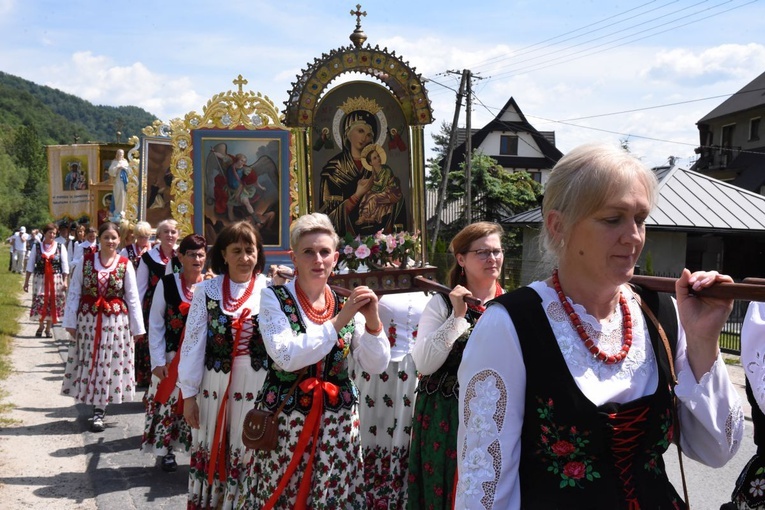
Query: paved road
(50,460)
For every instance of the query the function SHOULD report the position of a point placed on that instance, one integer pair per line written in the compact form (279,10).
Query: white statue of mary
(118,171)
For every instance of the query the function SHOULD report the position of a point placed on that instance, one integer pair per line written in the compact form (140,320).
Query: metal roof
(689,200)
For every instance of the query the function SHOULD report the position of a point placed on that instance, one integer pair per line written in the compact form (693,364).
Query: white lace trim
(484,412)
(607,335)
(443,339)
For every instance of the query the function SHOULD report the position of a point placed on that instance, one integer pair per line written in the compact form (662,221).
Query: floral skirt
(749,492)
(111,380)
(164,427)
(386,408)
(143,362)
(245,385)
(337,477)
(38,308)
(433,454)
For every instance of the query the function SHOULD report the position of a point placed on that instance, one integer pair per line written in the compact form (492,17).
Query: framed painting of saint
(243,175)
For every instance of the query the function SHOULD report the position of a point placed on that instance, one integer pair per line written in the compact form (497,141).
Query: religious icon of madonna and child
(358,190)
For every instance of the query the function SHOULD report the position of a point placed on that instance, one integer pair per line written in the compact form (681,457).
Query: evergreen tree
(27,152)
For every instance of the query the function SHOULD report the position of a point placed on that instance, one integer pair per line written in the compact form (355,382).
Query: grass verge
(10,312)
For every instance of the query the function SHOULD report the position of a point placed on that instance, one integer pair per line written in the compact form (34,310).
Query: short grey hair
(166,224)
(582,182)
(142,229)
(310,224)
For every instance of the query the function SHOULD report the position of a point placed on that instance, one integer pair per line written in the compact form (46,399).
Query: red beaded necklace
(164,258)
(230,304)
(188,294)
(482,308)
(608,359)
(317,316)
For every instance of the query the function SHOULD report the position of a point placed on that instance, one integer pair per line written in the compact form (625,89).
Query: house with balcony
(732,139)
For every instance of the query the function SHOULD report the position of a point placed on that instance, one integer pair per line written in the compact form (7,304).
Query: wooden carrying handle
(419,281)
(745,291)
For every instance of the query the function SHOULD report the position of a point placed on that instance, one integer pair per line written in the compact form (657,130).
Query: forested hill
(58,117)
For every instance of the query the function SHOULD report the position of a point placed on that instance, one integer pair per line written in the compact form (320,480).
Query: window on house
(508,145)
(537,176)
(727,135)
(754,129)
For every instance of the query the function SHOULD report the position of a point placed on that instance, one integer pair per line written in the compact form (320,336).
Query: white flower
(480,425)
(348,250)
(487,389)
(758,487)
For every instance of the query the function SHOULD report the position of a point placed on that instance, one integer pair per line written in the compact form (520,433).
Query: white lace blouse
(753,350)
(492,378)
(157,324)
(436,334)
(292,351)
(191,366)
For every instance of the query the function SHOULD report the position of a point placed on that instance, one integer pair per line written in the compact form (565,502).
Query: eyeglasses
(194,255)
(484,253)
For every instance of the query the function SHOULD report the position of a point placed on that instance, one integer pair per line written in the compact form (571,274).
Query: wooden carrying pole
(745,291)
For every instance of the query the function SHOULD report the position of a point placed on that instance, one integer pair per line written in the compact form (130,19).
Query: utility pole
(468,77)
(448,162)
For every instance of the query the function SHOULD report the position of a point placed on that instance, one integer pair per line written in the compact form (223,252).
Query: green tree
(497,194)
(27,152)
(433,165)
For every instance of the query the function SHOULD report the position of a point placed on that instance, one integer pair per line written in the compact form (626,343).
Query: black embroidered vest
(444,379)
(332,369)
(174,319)
(221,337)
(55,261)
(574,454)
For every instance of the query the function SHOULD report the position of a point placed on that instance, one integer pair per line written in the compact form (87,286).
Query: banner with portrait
(71,169)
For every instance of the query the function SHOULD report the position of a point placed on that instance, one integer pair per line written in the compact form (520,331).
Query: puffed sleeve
(753,350)
(290,350)
(73,298)
(133,303)
(436,334)
(32,260)
(142,277)
(192,363)
(157,327)
(492,381)
(371,352)
(64,260)
(711,417)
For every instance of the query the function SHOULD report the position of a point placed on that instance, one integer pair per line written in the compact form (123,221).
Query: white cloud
(96,79)
(720,63)
(6,7)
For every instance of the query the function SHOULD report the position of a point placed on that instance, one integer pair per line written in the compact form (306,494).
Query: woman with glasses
(443,332)
(165,429)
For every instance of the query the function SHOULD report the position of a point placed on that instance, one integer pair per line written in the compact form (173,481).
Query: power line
(568,57)
(525,49)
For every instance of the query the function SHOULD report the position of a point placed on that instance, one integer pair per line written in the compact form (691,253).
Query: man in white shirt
(19,249)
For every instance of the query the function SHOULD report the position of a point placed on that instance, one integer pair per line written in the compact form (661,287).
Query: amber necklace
(597,352)
(230,304)
(317,316)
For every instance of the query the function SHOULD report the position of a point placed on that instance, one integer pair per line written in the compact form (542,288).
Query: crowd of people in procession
(406,400)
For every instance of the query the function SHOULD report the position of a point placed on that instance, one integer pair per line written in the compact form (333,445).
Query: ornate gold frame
(230,110)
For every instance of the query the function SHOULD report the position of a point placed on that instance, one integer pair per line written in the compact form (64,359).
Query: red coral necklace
(230,304)
(597,352)
(187,293)
(317,316)
(482,308)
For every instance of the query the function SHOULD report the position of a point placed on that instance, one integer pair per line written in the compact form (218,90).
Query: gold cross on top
(239,82)
(358,13)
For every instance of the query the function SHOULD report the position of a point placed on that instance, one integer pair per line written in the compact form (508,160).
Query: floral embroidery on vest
(564,449)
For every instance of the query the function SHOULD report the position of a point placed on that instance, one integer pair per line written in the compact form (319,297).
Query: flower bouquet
(378,251)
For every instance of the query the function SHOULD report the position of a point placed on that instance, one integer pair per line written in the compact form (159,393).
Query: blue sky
(588,70)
